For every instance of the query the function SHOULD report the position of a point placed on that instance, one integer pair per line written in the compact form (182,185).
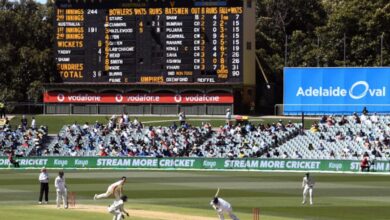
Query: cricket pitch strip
(136,213)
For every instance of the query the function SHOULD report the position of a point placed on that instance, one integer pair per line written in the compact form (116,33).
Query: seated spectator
(275,140)
(330,139)
(85,127)
(297,155)
(343,121)
(73,153)
(344,155)
(276,153)
(242,155)
(367,144)
(314,128)
(230,155)
(349,132)
(376,153)
(332,154)
(311,147)
(102,152)
(330,121)
(323,119)
(359,138)
(347,150)
(301,130)
(211,154)
(374,118)
(363,118)
(321,147)
(339,136)
(289,124)
(356,118)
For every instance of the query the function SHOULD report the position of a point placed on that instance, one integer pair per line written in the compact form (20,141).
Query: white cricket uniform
(116,209)
(62,193)
(307,185)
(115,188)
(33,124)
(223,207)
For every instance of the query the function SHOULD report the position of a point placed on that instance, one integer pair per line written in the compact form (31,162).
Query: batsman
(222,206)
(61,190)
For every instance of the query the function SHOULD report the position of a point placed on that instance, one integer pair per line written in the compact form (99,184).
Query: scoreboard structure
(152,45)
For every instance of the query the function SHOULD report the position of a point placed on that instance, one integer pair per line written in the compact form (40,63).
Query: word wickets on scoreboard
(149,42)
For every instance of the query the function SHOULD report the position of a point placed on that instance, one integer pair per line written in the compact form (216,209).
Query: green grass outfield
(56,122)
(278,195)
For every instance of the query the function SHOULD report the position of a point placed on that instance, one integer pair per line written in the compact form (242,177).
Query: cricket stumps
(72,199)
(256,213)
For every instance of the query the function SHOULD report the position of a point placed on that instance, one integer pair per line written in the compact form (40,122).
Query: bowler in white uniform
(62,192)
(115,188)
(222,207)
(117,208)
(307,186)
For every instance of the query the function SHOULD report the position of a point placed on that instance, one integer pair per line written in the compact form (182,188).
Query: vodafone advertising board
(140,98)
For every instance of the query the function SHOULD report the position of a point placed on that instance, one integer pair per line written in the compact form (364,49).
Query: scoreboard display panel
(149,41)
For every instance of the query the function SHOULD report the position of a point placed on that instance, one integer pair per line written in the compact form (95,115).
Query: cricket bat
(216,194)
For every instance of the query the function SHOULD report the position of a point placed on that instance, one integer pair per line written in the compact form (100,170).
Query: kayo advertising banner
(193,163)
(134,98)
(336,90)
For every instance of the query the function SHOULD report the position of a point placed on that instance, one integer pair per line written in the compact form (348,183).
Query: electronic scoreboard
(149,41)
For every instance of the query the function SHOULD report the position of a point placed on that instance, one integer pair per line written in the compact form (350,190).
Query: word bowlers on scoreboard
(149,41)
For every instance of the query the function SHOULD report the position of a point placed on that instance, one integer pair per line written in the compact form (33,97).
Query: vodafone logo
(118,98)
(177,98)
(60,97)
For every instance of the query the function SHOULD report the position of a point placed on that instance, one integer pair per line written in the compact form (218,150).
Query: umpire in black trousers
(44,180)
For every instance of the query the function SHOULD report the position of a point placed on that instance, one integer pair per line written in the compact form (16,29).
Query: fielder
(62,192)
(222,206)
(115,188)
(117,208)
(307,185)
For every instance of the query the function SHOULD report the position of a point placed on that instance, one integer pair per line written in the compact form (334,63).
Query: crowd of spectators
(25,140)
(332,137)
(360,135)
(123,137)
